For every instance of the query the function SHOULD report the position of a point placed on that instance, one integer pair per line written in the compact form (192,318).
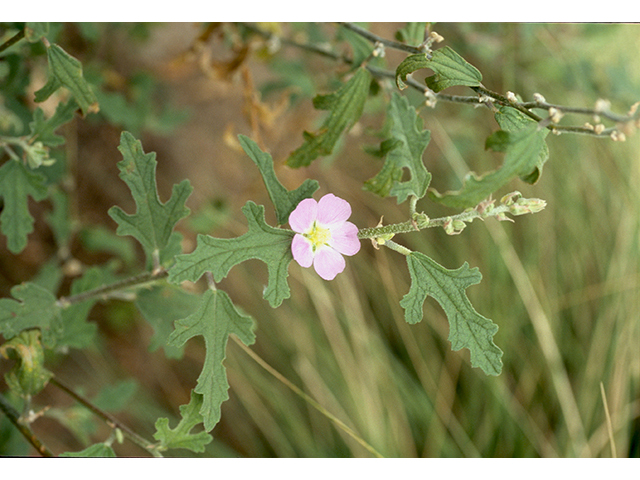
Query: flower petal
(333,210)
(344,238)
(301,249)
(328,263)
(304,215)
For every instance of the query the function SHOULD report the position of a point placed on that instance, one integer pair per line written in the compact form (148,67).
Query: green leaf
(34,307)
(412,33)
(403,150)
(16,184)
(28,375)
(219,255)
(65,70)
(43,130)
(215,319)
(284,201)
(513,121)
(161,306)
(449,67)
(153,222)
(345,107)
(523,155)
(99,450)
(361,48)
(467,328)
(34,31)
(181,436)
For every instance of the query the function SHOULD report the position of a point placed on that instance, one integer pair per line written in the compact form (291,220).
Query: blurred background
(562,285)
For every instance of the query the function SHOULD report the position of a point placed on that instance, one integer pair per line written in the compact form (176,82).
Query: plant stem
(384,41)
(306,397)
(114,289)
(14,417)
(111,421)
(13,40)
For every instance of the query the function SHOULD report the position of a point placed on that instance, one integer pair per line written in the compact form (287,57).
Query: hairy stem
(14,417)
(114,289)
(110,420)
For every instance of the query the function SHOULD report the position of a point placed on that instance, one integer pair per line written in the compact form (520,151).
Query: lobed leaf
(524,149)
(17,183)
(181,436)
(98,450)
(215,319)
(403,150)
(44,130)
(345,107)
(449,67)
(152,224)
(467,328)
(65,70)
(33,307)
(284,201)
(219,255)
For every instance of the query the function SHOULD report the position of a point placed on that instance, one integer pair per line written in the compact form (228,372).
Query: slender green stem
(14,417)
(306,397)
(110,420)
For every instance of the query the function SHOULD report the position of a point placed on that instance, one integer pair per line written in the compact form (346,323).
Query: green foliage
(216,318)
(153,222)
(525,150)
(449,67)
(16,184)
(403,149)
(43,130)
(33,307)
(65,70)
(467,328)
(284,201)
(345,108)
(28,376)
(219,255)
(181,436)
(99,450)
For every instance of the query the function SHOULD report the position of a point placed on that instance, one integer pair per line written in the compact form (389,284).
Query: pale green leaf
(65,70)
(219,255)
(216,319)
(33,307)
(181,436)
(449,67)
(523,155)
(153,222)
(403,150)
(412,33)
(513,121)
(284,201)
(44,130)
(345,108)
(467,328)
(99,450)
(34,31)
(16,184)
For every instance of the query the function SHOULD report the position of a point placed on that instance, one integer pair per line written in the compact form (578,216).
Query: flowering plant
(44,316)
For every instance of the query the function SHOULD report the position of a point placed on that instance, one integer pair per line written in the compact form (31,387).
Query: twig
(13,40)
(110,420)
(372,37)
(107,291)
(14,417)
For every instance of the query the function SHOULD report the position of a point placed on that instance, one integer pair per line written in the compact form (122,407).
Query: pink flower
(323,235)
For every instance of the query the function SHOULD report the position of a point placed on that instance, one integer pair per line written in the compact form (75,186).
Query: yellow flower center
(318,236)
